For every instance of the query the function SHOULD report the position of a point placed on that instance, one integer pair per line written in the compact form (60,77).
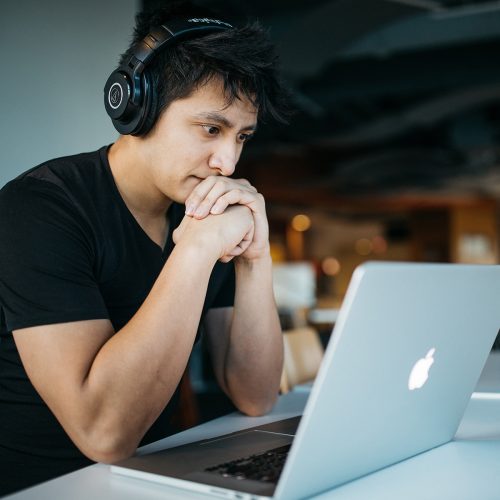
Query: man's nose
(225,157)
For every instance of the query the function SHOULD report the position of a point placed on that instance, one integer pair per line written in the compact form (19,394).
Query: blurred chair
(303,353)
(187,414)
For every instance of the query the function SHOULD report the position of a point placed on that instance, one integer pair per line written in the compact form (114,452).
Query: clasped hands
(234,212)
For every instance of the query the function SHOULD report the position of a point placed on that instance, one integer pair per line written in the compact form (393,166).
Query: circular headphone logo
(115,95)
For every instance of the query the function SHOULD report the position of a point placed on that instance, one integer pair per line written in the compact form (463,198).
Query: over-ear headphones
(128,93)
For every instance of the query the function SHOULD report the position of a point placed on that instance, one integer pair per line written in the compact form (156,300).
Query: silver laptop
(405,355)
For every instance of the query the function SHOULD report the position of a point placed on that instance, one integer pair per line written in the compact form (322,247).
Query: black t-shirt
(70,250)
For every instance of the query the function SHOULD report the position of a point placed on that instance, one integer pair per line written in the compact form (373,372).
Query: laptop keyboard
(265,466)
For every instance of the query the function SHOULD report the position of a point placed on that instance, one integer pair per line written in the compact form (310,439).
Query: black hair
(242,58)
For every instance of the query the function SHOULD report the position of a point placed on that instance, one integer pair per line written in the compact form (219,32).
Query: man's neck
(131,173)
(144,201)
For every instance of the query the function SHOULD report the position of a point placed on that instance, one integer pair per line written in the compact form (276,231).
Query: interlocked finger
(236,196)
(239,249)
(205,195)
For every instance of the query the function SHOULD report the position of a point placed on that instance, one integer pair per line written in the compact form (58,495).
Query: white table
(466,468)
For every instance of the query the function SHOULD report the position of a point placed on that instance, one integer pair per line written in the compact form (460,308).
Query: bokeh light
(363,246)
(330,266)
(301,223)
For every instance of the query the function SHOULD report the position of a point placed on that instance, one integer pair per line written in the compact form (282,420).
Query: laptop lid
(405,355)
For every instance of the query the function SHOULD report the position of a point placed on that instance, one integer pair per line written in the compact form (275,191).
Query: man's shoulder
(71,168)
(63,175)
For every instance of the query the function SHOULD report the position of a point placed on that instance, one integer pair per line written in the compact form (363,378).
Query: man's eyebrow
(222,120)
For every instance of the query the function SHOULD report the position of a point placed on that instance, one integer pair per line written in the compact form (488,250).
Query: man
(111,260)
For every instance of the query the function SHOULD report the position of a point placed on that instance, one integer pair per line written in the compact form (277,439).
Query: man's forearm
(254,360)
(115,385)
(137,371)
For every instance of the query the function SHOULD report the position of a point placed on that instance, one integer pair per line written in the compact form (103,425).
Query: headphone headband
(177,29)
(127,96)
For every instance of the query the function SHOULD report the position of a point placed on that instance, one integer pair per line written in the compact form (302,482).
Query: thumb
(179,230)
(176,236)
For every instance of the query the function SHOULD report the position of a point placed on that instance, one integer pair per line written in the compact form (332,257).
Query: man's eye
(211,129)
(245,137)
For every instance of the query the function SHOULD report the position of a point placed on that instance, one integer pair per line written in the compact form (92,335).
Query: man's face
(197,137)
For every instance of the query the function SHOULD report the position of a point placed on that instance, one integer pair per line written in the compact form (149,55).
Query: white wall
(56,56)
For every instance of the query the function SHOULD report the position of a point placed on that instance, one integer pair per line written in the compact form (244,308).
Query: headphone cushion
(149,107)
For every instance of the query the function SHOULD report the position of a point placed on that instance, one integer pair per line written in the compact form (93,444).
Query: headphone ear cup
(127,117)
(148,109)
(123,113)
(117,95)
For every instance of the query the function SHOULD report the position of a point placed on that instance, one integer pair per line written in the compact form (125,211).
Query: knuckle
(230,195)
(220,184)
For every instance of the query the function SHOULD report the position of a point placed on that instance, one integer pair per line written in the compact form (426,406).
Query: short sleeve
(46,258)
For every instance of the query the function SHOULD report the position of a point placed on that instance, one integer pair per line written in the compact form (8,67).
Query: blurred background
(393,153)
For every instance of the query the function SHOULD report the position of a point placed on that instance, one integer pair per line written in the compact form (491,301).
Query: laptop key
(265,466)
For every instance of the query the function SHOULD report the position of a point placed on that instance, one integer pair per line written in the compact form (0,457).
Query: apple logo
(420,371)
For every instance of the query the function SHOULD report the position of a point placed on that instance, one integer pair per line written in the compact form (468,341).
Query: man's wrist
(263,262)
(202,248)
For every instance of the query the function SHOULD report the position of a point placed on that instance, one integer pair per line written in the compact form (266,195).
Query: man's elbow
(108,448)
(108,456)
(256,408)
